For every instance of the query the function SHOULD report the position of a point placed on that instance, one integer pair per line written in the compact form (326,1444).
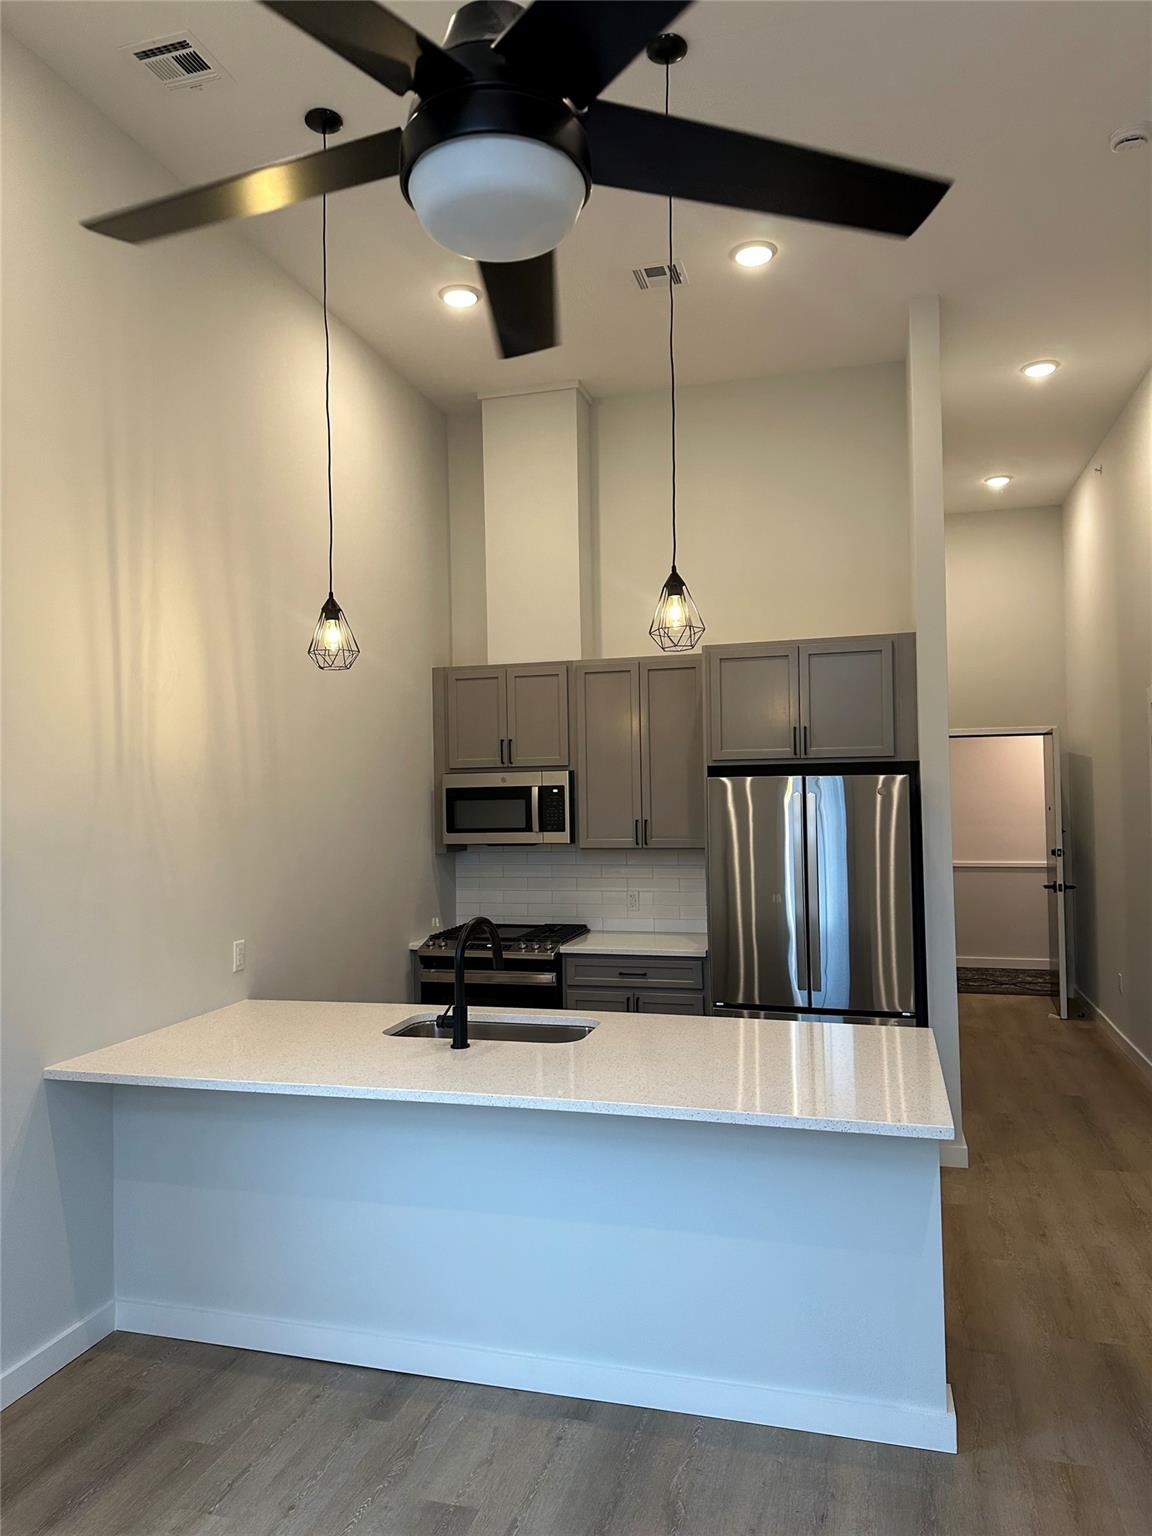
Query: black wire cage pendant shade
(676,624)
(333,647)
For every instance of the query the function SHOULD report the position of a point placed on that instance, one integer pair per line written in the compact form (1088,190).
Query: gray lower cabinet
(502,717)
(852,697)
(633,984)
(639,753)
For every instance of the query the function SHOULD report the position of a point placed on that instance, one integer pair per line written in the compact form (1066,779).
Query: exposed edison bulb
(676,624)
(675,616)
(333,647)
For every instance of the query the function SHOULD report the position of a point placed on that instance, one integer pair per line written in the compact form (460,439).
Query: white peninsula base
(790,1277)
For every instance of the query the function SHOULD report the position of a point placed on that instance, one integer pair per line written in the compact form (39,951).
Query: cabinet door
(598,1000)
(669,1002)
(538,715)
(753,703)
(846,689)
(477,717)
(672,746)
(608,753)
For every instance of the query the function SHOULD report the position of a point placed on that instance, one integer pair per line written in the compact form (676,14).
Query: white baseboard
(1118,1040)
(56,1354)
(1006,962)
(954,1154)
(852,1418)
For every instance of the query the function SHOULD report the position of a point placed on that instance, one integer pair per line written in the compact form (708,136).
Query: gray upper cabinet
(840,698)
(753,703)
(672,752)
(476,711)
(639,756)
(499,717)
(847,688)
(608,795)
(537,735)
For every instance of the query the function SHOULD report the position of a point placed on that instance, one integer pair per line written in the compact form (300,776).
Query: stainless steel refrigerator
(812,902)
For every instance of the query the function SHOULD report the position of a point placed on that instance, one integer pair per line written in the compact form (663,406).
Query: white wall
(1005,618)
(793,497)
(468,577)
(999,852)
(1108,603)
(177,773)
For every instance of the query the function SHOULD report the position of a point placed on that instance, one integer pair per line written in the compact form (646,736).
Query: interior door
(1055,883)
(477,715)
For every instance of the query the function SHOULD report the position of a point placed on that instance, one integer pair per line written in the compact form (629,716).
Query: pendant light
(333,646)
(676,624)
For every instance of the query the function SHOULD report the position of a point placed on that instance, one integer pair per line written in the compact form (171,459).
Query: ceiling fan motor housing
(494,171)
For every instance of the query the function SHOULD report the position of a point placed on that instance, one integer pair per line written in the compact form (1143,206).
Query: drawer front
(668,1002)
(599,999)
(639,971)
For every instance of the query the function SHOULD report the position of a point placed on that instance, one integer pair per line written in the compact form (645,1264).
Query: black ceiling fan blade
(522,297)
(262,191)
(575,48)
(673,157)
(377,41)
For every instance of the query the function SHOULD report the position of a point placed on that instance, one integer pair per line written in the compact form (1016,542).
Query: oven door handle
(496,978)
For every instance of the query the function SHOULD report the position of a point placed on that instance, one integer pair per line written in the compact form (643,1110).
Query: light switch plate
(239,955)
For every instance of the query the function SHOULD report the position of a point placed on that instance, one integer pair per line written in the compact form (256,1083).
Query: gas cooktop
(517,938)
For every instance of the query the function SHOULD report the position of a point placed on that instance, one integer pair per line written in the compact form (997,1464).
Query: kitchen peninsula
(732,1218)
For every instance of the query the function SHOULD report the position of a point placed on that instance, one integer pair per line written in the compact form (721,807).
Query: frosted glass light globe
(496,197)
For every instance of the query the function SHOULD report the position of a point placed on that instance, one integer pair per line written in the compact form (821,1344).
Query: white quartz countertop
(799,1075)
(679,946)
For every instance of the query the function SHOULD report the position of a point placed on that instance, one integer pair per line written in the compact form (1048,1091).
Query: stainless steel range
(529,977)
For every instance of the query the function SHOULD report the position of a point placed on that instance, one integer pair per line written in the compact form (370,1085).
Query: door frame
(1058,857)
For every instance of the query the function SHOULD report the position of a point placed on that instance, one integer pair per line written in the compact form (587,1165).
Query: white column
(538,525)
(926,483)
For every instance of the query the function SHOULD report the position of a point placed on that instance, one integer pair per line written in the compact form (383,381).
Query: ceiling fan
(508,136)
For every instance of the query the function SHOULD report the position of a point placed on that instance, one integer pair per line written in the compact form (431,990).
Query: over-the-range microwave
(496,807)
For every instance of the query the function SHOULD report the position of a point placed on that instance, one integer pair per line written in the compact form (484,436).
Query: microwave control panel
(552,799)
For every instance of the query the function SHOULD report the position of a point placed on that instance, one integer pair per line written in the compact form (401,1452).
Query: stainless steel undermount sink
(497,1026)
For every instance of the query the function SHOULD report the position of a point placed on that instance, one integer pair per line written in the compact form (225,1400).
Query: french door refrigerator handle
(814,890)
(796,830)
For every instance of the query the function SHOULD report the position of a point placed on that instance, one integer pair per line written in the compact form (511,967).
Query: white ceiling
(1043,247)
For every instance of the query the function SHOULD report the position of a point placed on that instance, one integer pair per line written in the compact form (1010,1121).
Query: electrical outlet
(633,901)
(436,924)
(239,955)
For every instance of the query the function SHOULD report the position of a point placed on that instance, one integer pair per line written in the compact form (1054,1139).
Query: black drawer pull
(632,973)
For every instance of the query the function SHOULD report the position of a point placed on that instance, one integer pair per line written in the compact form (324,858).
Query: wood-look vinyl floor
(1049,1258)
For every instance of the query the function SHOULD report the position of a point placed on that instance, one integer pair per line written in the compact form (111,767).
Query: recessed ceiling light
(997,482)
(753,253)
(1042,368)
(459,296)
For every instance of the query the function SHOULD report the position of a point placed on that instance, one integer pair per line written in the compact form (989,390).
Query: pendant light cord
(671,332)
(327,371)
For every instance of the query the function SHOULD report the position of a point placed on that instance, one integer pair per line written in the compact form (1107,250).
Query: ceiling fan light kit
(509,135)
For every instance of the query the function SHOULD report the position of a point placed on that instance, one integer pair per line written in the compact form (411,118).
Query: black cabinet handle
(643,975)
(805,741)
(501,751)
(645,831)
(509,751)
(636,834)
(795,741)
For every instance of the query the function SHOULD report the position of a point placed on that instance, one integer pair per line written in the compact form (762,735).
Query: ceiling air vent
(657,277)
(177,61)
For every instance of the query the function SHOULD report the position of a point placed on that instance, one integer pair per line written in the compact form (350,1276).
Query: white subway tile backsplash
(595,887)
